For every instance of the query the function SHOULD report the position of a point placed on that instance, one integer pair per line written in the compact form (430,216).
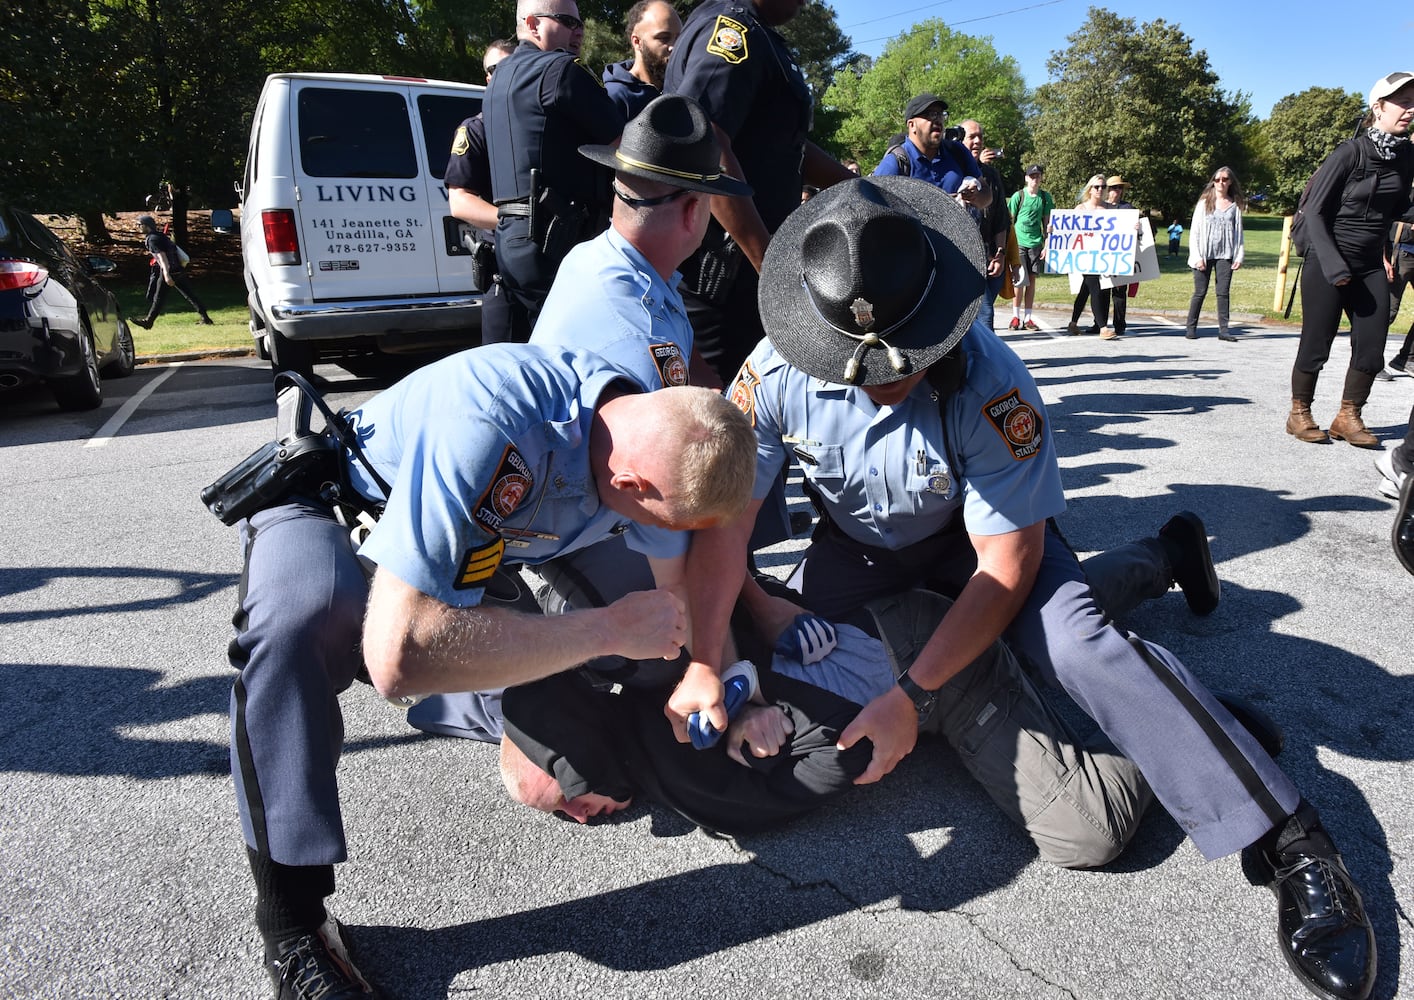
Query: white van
(348,244)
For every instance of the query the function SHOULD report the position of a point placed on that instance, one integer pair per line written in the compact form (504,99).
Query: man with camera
(995,221)
(933,152)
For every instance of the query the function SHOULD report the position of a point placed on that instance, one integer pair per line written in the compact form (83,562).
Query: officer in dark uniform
(540,107)
(468,180)
(731,60)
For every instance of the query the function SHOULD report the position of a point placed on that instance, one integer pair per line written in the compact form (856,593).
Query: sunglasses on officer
(565,20)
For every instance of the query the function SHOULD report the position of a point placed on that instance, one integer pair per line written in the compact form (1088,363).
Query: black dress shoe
(1325,935)
(1228,337)
(1192,561)
(1262,726)
(1403,532)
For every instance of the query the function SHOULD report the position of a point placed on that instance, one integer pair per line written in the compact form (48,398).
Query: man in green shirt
(1031,214)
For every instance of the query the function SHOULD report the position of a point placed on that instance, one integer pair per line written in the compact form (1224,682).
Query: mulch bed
(214,253)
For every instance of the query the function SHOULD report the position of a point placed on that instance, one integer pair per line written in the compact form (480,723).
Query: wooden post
(1282,261)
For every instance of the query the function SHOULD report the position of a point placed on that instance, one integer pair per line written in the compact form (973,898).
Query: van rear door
(366,225)
(439,113)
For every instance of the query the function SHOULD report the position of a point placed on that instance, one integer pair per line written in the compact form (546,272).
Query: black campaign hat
(672,141)
(872,280)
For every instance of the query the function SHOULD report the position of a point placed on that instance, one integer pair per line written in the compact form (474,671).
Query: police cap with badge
(872,280)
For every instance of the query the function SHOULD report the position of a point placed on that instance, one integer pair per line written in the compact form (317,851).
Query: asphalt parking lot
(122,871)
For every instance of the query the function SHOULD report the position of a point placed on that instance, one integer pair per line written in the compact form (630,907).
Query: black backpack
(1300,243)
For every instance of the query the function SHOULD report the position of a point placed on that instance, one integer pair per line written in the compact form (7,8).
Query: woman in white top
(1215,246)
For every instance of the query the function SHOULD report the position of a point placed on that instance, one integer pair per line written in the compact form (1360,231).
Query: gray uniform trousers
(1204,767)
(298,629)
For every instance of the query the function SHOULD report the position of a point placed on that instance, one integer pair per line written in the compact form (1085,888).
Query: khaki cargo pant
(1080,803)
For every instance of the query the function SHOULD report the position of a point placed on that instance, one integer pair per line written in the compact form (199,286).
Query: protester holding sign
(1116,191)
(1099,297)
(1215,246)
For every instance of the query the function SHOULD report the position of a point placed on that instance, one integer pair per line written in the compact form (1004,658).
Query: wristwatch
(923,699)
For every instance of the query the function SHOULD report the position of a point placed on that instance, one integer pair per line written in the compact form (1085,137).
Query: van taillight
(281,236)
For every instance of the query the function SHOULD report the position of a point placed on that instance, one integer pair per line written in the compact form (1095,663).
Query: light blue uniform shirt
(608,299)
(487,453)
(889,476)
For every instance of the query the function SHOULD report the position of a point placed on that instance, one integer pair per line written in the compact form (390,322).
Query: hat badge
(863,311)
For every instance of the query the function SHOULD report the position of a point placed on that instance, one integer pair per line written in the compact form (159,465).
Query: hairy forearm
(716,570)
(987,605)
(471,649)
(416,645)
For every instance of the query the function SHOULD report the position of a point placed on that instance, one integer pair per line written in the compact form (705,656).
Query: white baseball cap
(1387,85)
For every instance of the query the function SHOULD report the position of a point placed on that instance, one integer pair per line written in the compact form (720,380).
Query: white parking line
(1166,321)
(107,432)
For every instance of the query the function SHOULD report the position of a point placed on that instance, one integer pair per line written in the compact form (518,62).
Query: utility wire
(951,24)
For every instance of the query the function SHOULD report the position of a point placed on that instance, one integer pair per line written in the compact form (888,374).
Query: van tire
(289,355)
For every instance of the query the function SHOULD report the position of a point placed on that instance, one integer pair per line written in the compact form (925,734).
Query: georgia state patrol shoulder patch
(509,487)
(479,565)
(1017,422)
(743,394)
(667,358)
(460,143)
(728,40)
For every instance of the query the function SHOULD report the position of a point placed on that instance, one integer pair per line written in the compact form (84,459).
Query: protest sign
(1103,241)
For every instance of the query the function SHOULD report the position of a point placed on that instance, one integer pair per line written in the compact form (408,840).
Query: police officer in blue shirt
(665,171)
(468,180)
(925,443)
(500,455)
(540,107)
(666,167)
(733,62)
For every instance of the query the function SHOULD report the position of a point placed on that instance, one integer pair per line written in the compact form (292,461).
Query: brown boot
(1302,425)
(1347,426)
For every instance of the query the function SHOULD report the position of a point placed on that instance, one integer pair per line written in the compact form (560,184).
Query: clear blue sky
(1265,48)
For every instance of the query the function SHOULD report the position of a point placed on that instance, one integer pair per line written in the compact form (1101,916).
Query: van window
(355,133)
(252,163)
(440,117)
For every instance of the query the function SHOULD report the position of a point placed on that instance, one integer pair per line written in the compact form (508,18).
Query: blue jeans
(989,299)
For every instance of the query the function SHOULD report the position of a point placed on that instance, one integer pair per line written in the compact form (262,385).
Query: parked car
(57,324)
(348,243)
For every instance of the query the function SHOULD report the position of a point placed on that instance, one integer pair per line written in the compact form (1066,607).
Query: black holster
(710,272)
(483,263)
(300,461)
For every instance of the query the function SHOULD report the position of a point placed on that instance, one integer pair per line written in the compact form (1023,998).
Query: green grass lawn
(179,328)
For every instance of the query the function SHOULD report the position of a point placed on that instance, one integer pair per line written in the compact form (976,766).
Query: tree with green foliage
(963,70)
(821,49)
(1136,100)
(1300,132)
